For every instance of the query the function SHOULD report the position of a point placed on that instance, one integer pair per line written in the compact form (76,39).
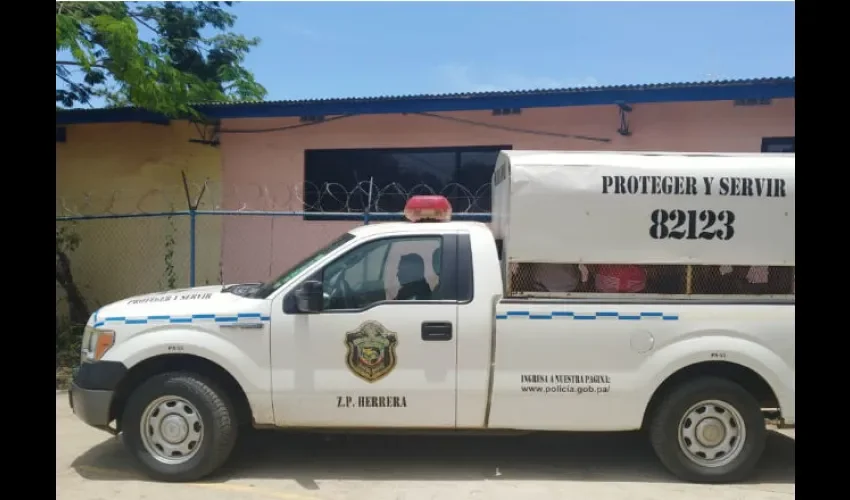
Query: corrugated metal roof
(505,93)
(755,88)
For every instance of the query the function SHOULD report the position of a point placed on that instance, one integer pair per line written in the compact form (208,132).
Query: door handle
(437,330)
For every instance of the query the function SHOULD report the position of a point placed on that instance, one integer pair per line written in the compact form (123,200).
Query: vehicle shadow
(307,458)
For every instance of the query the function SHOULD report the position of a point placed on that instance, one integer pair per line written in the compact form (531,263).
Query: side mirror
(310,297)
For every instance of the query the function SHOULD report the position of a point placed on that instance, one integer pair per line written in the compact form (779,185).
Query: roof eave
(773,89)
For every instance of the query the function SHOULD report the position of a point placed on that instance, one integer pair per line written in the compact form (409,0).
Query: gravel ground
(91,465)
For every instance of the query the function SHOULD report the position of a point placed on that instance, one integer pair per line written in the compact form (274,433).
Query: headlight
(95,343)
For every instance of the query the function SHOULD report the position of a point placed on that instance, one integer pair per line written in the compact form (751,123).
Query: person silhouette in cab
(411,277)
(435,264)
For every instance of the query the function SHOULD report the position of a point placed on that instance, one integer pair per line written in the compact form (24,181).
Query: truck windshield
(269,287)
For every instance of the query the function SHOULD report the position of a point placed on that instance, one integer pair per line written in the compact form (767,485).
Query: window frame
(449,273)
(310,213)
(767,142)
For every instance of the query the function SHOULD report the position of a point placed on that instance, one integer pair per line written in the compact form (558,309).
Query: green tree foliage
(160,56)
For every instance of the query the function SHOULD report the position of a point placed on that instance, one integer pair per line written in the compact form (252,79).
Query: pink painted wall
(265,171)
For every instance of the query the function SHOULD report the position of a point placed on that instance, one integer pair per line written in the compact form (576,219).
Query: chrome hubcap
(171,430)
(174,429)
(712,433)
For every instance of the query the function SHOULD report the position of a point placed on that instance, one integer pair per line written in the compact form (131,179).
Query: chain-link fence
(328,198)
(117,256)
(131,241)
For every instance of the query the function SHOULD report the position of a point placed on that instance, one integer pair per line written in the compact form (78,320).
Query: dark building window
(777,145)
(337,180)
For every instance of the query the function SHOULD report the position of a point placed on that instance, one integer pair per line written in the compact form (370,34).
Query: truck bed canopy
(645,208)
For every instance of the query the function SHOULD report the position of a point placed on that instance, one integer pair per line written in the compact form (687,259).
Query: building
(318,156)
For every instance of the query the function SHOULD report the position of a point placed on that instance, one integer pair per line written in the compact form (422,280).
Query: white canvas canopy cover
(645,208)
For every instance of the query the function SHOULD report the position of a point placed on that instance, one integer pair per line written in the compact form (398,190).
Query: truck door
(382,352)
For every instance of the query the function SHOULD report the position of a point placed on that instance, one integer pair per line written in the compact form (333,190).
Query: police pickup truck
(611,292)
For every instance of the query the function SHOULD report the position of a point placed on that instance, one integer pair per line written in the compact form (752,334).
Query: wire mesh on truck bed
(547,280)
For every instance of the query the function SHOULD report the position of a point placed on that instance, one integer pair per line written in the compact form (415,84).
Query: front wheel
(179,427)
(709,430)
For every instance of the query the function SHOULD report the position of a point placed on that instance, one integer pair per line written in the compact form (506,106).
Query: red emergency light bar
(428,208)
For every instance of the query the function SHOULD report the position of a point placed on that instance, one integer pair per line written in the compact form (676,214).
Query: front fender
(727,347)
(248,368)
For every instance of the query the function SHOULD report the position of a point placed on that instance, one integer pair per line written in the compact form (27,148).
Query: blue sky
(343,49)
(323,49)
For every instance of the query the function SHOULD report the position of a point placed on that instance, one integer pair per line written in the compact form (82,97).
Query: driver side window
(363,271)
(388,269)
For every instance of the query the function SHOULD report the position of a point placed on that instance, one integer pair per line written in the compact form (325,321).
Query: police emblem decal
(370,351)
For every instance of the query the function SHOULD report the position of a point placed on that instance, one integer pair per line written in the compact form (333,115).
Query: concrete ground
(91,465)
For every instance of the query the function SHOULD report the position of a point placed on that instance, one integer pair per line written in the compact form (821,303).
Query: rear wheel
(709,430)
(179,427)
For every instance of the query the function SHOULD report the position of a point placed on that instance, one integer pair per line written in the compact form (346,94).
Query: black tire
(217,418)
(664,430)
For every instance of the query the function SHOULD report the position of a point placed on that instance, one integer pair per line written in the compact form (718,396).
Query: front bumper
(93,390)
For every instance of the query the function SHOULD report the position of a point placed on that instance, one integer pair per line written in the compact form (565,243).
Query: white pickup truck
(612,292)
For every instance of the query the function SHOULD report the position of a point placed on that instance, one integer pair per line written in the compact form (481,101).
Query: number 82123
(692,225)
